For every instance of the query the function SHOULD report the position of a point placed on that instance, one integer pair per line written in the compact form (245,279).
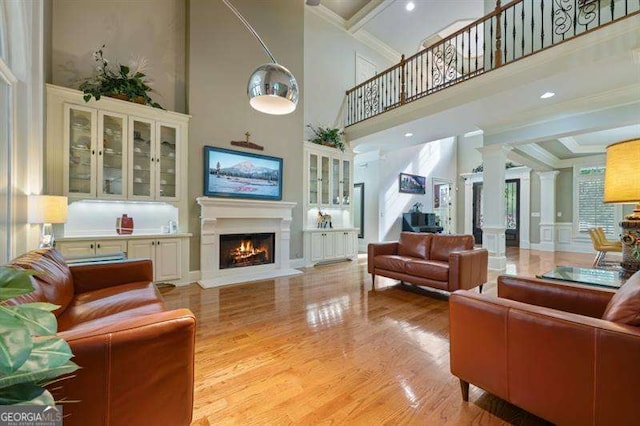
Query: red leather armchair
(136,357)
(444,262)
(543,346)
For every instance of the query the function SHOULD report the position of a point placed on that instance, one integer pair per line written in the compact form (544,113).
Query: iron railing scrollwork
(511,32)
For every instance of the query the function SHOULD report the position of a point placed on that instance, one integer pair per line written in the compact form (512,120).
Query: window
(590,210)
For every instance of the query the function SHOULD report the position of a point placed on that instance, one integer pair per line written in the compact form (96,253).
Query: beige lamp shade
(47,209)
(622,173)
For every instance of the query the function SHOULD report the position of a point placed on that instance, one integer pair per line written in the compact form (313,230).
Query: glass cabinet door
(346,182)
(112,152)
(166,161)
(314,177)
(141,158)
(335,181)
(324,170)
(80,139)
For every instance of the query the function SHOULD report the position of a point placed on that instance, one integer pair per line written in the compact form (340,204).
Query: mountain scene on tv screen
(245,177)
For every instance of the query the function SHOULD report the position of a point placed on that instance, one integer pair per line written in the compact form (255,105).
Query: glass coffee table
(612,279)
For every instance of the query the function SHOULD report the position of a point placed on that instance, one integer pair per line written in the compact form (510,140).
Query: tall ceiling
(403,30)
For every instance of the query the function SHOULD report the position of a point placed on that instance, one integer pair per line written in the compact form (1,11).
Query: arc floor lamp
(272,88)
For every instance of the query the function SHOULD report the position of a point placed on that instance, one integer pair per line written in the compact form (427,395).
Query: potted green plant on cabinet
(124,83)
(327,136)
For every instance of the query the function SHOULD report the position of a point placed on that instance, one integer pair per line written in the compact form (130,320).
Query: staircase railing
(511,32)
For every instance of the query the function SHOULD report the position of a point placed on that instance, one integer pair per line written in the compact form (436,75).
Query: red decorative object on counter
(124,225)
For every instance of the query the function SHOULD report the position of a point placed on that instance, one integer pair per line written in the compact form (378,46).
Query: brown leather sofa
(136,357)
(565,353)
(444,262)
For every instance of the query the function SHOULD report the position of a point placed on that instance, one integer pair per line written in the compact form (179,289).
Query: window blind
(592,212)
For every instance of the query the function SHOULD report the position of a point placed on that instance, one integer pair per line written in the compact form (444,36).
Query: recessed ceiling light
(408,135)
(410,6)
(547,95)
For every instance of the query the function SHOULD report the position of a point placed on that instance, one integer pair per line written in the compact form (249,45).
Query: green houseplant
(327,136)
(123,83)
(31,355)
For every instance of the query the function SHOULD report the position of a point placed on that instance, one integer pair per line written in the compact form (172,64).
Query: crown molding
(378,45)
(540,154)
(367,13)
(361,35)
(572,145)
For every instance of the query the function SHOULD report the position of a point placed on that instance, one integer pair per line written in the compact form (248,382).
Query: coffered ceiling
(393,25)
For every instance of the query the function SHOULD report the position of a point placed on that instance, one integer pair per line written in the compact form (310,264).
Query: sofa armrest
(560,366)
(90,277)
(377,249)
(467,269)
(556,295)
(134,371)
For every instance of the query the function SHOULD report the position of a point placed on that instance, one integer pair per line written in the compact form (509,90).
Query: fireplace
(248,221)
(238,250)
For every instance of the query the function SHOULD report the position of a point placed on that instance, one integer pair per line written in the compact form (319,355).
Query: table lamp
(622,185)
(47,210)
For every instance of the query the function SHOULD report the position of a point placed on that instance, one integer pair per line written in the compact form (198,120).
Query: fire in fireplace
(238,250)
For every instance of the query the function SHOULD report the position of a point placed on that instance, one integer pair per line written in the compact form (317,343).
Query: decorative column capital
(494,150)
(548,176)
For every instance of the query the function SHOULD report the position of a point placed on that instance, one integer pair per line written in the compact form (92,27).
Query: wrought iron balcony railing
(511,32)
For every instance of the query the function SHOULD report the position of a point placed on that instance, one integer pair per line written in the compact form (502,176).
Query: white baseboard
(194,276)
(297,263)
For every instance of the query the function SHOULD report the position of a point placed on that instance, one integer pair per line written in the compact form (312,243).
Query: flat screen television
(237,174)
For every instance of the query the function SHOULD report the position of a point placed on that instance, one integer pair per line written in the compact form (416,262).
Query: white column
(548,210)
(494,158)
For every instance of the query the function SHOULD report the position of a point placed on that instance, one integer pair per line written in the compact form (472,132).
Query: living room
(316,341)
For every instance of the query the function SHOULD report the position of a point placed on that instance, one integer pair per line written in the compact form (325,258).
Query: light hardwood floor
(323,348)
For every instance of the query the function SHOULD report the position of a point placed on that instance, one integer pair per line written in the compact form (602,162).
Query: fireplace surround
(222,216)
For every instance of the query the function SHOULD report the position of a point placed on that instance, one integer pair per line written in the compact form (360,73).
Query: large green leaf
(15,343)
(49,307)
(27,376)
(14,282)
(39,322)
(47,353)
(25,393)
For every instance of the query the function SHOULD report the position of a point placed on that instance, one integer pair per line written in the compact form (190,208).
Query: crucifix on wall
(247,144)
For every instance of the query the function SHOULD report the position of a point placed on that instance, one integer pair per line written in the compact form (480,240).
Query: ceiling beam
(540,154)
(367,13)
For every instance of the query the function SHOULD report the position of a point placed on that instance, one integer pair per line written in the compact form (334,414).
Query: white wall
(329,68)
(435,159)
(153,29)
(468,159)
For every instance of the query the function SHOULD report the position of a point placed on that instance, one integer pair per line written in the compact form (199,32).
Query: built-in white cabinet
(87,248)
(153,164)
(330,244)
(165,254)
(111,149)
(329,177)
(169,252)
(328,188)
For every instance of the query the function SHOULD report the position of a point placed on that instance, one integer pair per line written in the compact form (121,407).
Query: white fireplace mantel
(219,216)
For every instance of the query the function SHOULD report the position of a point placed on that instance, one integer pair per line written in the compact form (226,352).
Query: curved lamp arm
(250,28)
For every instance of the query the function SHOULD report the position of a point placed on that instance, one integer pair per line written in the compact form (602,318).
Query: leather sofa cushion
(414,244)
(432,269)
(391,262)
(442,245)
(53,283)
(111,303)
(624,306)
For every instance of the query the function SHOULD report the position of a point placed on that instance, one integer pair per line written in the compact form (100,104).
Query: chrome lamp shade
(272,89)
